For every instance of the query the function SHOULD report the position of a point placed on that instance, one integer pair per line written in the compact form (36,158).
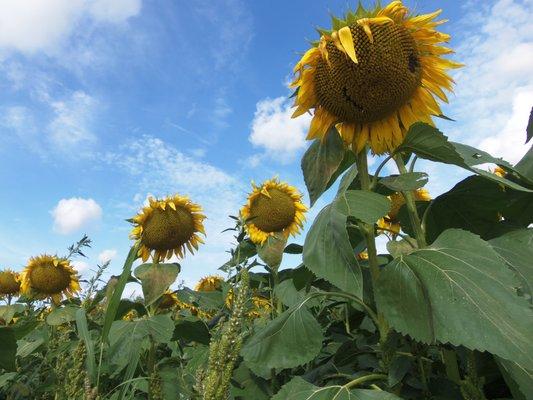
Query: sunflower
(209,283)
(373,75)
(48,276)
(168,300)
(9,283)
(362,256)
(499,171)
(168,226)
(391,222)
(273,207)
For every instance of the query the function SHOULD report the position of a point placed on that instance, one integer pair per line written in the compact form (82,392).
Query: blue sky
(104,103)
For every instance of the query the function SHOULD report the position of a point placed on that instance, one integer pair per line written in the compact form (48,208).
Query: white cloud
(30,26)
(70,126)
(115,11)
(80,266)
(158,168)
(107,255)
(509,143)
(274,131)
(493,88)
(75,213)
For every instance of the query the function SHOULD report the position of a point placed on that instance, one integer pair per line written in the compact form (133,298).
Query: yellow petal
(346,39)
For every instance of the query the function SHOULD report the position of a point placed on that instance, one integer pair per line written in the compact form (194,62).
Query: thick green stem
(368,230)
(370,238)
(449,357)
(275,282)
(411,206)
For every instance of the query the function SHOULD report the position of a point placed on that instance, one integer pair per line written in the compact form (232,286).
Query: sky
(106,102)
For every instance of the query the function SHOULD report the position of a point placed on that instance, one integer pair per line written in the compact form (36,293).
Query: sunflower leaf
(293,338)
(529,129)
(329,254)
(299,389)
(155,279)
(363,205)
(458,290)
(429,143)
(8,349)
(323,162)
(405,182)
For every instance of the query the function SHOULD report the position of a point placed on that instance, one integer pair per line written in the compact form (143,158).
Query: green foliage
(329,254)
(458,291)
(291,339)
(155,279)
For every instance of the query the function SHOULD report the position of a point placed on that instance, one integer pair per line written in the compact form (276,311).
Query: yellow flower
(209,283)
(168,300)
(362,256)
(372,76)
(499,171)
(168,226)
(48,276)
(130,315)
(9,283)
(273,207)
(390,222)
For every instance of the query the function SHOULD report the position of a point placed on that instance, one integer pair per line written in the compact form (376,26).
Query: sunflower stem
(363,379)
(411,206)
(368,230)
(370,238)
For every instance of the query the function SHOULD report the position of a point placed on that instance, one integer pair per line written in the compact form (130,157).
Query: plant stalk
(411,206)
(366,378)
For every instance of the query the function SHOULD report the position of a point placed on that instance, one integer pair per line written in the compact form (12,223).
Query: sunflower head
(168,226)
(48,276)
(209,283)
(374,74)
(9,283)
(273,207)
(168,300)
(390,222)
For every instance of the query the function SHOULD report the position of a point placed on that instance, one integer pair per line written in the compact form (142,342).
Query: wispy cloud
(156,167)
(273,130)
(497,47)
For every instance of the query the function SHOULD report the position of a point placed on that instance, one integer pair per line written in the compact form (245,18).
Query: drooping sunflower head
(168,226)
(391,222)
(9,283)
(273,207)
(209,283)
(168,300)
(48,276)
(374,74)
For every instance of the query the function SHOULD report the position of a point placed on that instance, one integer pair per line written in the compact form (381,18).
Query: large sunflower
(273,207)
(391,222)
(9,283)
(48,276)
(209,283)
(373,75)
(168,226)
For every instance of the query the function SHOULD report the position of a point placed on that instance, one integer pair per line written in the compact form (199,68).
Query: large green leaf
(8,349)
(8,312)
(191,329)
(405,182)
(248,386)
(83,334)
(155,279)
(428,142)
(458,290)
(293,338)
(521,378)
(59,316)
(299,389)
(116,292)
(323,162)
(525,165)
(474,204)
(271,251)
(328,253)
(363,205)
(127,339)
(517,250)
